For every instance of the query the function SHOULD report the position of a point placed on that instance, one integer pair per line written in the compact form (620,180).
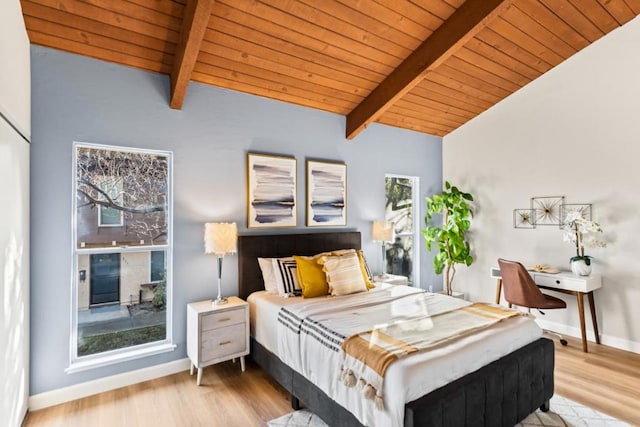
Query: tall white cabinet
(15,134)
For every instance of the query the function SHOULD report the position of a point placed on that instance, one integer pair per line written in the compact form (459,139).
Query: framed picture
(584,209)
(272,189)
(547,210)
(326,194)
(523,218)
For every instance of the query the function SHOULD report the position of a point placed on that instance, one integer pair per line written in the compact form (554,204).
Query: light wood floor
(605,379)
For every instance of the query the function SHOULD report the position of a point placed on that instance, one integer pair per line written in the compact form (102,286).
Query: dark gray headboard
(251,247)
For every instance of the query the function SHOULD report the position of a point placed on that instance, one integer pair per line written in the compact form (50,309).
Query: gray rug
(564,412)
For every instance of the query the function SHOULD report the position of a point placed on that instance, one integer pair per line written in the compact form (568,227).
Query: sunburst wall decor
(547,210)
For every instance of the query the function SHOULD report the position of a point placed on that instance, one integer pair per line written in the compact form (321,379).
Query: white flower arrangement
(581,232)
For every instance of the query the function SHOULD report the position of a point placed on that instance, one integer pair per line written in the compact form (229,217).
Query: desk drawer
(561,283)
(222,319)
(223,342)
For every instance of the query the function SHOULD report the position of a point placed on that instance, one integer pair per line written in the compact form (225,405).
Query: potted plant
(577,230)
(450,237)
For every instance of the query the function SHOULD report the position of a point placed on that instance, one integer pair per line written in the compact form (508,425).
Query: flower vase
(581,266)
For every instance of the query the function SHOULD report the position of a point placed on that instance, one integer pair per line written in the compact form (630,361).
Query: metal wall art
(523,218)
(548,211)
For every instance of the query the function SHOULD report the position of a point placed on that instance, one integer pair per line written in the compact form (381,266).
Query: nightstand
(392,279)
(216,333)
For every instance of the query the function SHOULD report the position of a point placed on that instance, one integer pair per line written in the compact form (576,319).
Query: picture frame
(547,210)
(583,208)
(326,194)
(523,218)
(271,191)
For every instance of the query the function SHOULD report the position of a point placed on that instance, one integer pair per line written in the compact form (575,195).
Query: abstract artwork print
(326,194)
(271,191)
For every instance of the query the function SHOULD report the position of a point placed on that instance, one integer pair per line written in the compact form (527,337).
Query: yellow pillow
(365,270)
(311,278)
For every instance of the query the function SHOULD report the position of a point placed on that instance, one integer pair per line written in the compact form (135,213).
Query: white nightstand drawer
(223,342)
(222,319)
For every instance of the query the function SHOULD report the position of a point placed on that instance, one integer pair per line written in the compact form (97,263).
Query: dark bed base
(502,393)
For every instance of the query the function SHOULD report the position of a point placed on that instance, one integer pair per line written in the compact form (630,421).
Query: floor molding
(608,340)
(100,385)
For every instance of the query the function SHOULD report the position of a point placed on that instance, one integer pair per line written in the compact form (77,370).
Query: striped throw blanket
(368,354)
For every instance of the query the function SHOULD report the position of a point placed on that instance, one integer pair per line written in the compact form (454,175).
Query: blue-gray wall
(80,99)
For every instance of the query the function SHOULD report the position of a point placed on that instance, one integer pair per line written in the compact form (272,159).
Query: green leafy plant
(449,238)
(160,294)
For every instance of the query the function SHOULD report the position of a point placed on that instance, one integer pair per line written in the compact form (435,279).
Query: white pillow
(344,274)
(286,274)
(268,275)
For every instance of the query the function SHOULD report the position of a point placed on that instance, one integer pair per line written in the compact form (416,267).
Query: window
(400,209)
(157,266)
(122,252)
(110,216)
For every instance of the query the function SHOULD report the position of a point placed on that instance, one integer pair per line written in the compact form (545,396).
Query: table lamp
(382,231)
(220,238)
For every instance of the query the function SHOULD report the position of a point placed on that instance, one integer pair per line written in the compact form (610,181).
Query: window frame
(415,213)
(83,363)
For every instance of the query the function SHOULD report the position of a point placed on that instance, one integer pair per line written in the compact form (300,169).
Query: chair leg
(560,337)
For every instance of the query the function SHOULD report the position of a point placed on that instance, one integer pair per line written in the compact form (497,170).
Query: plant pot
(580,267)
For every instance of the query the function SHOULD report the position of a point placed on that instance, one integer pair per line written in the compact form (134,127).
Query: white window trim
(415,207)
(83,363)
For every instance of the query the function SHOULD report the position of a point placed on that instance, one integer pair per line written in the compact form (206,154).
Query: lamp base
(219,301)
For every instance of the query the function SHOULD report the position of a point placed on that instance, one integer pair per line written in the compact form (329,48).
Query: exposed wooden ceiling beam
(464,24)
(194,24)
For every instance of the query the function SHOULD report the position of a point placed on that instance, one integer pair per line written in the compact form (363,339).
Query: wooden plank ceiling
(425,65)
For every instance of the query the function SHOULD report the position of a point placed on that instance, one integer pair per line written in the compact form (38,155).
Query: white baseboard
(77,391)
(572,331)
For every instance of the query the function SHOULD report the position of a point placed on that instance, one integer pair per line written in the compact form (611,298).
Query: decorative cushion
(344,274)
(311,277)
(286,274)
(366,272)
(268,275)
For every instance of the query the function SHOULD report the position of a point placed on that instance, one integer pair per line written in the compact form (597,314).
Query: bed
(501,393)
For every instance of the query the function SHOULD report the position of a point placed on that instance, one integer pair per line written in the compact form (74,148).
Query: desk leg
(498,290)
(580,297)
(592,307)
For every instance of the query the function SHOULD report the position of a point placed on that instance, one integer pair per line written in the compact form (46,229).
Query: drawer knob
(225,342)
(226,319)
(557,282)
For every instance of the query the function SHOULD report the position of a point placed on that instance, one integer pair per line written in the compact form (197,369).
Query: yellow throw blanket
(369,354)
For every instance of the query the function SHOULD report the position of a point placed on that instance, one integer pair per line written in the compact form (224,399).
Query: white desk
(567,283)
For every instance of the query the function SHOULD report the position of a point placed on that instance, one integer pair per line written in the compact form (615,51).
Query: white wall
(574,132)
(15,82)
(15,113)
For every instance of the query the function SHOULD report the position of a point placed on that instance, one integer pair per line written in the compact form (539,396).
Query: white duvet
(406,379)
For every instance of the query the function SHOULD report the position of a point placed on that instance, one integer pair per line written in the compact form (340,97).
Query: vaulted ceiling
(425,65)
